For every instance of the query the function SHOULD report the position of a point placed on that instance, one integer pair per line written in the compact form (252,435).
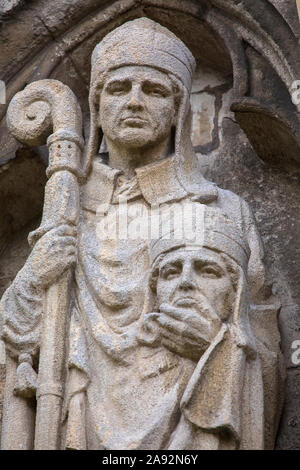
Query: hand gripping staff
(43,107)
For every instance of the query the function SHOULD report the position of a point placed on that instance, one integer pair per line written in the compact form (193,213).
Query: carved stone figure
(164,350)
(202,318)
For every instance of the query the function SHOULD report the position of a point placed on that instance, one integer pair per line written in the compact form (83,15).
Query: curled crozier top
(43,107)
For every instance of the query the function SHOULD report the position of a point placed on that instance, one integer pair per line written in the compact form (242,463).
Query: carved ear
(96,102)
(175,115)
(94,137)
(97,108)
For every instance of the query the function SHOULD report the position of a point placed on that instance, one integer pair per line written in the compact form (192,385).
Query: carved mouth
(186,302)
(134,121)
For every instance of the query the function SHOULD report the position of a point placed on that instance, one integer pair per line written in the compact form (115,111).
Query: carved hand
(52,255)
(183,331)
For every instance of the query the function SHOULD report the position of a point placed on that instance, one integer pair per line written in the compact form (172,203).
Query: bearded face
(197,282)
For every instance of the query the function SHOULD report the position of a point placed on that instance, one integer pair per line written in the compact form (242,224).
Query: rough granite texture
(56,43)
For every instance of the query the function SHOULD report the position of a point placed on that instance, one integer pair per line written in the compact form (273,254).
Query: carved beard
(150,333)
(212,319)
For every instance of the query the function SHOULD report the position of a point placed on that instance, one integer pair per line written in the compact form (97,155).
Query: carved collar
(157,182)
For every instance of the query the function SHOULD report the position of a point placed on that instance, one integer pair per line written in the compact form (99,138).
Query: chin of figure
(136,137)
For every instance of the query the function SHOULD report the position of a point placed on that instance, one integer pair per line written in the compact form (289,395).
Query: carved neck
(128,159)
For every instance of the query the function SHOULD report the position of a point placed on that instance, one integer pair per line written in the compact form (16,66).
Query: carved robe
(120,394)
(132,395)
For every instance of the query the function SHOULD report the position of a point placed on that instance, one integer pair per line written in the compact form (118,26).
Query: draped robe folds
(121,394)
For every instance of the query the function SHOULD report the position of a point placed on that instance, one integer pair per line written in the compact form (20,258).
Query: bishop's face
(137,107)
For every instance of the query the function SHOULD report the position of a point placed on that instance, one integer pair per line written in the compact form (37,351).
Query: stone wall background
(34,35)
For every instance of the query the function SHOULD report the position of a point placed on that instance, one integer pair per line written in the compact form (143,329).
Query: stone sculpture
(96,338)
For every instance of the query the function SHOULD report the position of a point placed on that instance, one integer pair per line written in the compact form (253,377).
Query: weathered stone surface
(274,196)
(203,108)
(289,438)
(2,377)
(266,180)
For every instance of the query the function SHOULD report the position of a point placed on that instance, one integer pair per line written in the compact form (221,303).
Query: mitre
(193,225)
(143,42)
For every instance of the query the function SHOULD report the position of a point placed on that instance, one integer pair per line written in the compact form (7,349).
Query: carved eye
(208,270)
(154,90)
(118,88)
(118,91)
(170,272)
(211,272)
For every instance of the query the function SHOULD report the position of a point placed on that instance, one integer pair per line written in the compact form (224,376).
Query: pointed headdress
(146,43)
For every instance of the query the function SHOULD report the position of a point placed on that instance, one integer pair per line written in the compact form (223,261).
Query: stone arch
(215,30)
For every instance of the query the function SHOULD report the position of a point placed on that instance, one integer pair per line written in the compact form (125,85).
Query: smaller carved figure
(202,317)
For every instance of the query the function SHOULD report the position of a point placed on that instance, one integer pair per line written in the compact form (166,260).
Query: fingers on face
(150,326)
(178,328)
(194,320)
(151,316)
(170,324)
(174,312)
(167,308)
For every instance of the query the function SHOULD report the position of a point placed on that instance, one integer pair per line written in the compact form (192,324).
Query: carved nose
(135,103)
(186,280)
(186,284)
